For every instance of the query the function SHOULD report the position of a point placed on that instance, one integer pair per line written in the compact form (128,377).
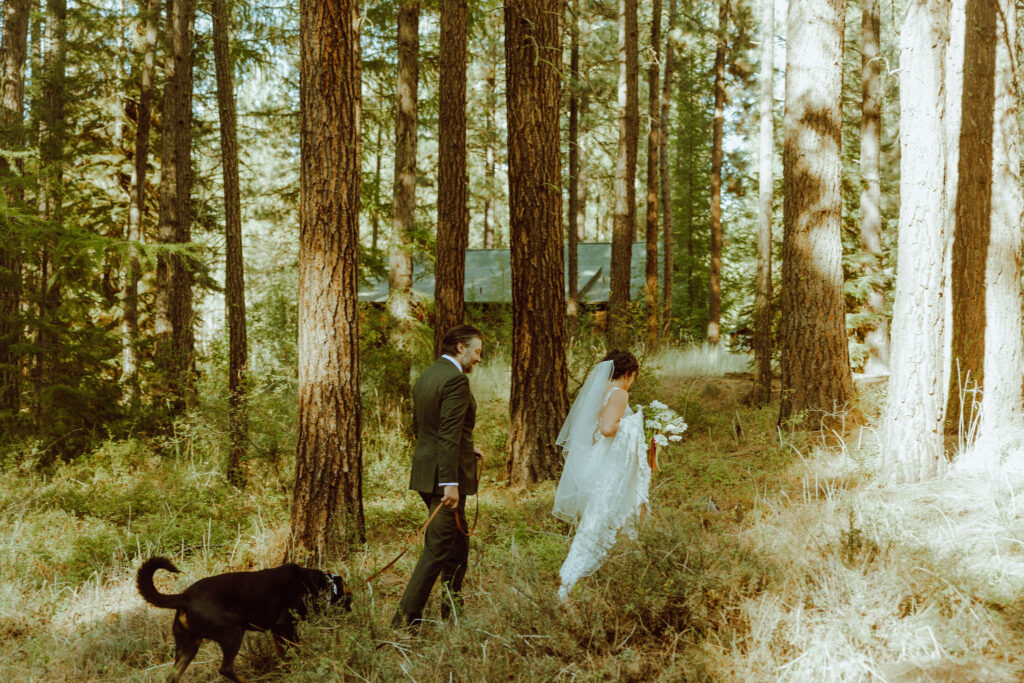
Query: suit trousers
(445,554)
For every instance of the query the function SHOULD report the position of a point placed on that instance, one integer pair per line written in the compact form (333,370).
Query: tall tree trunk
(403,207)
(327,506)
(653,144)
(538,405)
(624,226)
(1001,412)
(489,160)
(581,174)
(174,332)
(234,268)
(715,277)
(378,154)
(452,213)
(13,50)
(146,44)
(51,195)
(491,27)
(762,393)
(816,379)
(973,215)
(876,337)
(572,307)
(912,433)
(668,233)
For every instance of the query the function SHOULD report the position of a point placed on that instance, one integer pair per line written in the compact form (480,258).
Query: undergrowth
(768,555)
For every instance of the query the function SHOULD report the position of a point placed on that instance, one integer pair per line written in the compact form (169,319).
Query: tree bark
(234,268)
(452,213)
(715,275)
(327,508)
(146,43)
(572,307)
(876,337)
(668,233)
(762,393)
(52,133)
(816,379)
(13,49)
(173,325)
(653,144)
(973,217)
(912,433)
(539,403)
(403,207)
(1001,412)
(624,224)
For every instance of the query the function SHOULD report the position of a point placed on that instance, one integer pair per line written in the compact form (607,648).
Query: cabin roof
(489,275)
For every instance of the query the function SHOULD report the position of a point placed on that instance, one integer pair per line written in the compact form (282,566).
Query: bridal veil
(577,438)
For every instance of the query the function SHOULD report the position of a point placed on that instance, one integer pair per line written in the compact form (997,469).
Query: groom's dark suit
(444,413)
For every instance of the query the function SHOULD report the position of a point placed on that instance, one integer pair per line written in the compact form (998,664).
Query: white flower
(675,438)
(658,405)
(660,440)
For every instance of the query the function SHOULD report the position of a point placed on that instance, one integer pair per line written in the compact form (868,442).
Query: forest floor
(807,571)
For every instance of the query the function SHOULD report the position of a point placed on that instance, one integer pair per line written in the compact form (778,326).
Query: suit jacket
(444,414)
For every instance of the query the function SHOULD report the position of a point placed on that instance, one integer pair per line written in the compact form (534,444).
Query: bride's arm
(608,420)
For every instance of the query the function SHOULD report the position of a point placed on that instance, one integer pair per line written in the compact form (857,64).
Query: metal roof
(489,275)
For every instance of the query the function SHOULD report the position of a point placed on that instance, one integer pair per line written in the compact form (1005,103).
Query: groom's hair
(460,334)
(624,362)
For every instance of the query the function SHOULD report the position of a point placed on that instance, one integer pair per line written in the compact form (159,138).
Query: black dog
(223,607)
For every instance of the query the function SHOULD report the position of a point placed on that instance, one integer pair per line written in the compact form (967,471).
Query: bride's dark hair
(625,363)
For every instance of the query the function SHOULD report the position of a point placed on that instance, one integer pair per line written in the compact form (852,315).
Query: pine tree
(452,213)
(327,505)
(538,403)
(815,366)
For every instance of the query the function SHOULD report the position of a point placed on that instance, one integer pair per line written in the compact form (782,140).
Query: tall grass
(808,571)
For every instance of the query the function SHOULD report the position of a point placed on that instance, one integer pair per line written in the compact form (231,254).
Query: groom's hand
(450,499)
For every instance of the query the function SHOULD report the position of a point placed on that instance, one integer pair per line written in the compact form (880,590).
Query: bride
(606,477)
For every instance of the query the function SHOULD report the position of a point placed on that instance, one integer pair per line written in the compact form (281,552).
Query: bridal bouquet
(662,426)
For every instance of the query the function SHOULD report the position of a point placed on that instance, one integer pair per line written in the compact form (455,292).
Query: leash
(423,529)
(406,548)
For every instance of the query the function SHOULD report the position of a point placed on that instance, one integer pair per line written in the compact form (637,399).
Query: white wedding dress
(606,488)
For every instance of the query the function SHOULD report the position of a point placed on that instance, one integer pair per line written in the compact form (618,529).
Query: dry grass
(808,571)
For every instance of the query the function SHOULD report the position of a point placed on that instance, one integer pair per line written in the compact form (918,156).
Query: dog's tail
(148,591)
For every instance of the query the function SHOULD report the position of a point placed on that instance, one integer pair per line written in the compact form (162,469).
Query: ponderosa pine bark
(912,430)
(715,275)
(668,233)
(762,392)
(624,221)
(973,216)
(149,11)
(175,339)
(327,504)
(1001,412)
(234,268)
(403,206)
(538,403)
(876,336)
(13,49)
(653,144)
(815,361)
(452,212)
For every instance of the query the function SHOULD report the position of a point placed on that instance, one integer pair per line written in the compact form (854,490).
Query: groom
(443,471)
